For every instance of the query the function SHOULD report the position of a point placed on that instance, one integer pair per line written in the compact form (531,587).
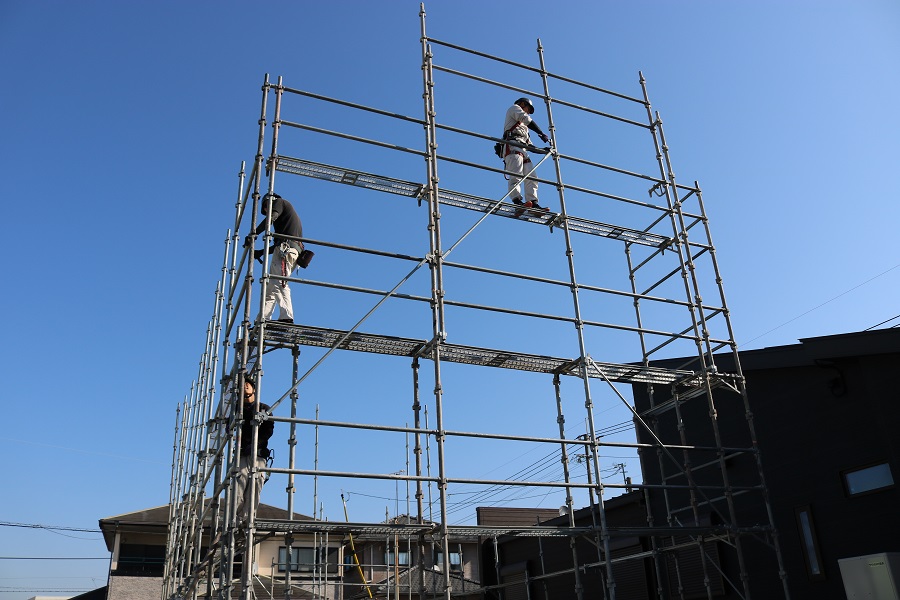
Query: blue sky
(124,125)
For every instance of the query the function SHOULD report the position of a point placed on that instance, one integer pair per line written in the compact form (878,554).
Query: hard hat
(527,103)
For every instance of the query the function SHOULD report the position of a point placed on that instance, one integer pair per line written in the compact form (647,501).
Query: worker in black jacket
(285,252)
(251,456)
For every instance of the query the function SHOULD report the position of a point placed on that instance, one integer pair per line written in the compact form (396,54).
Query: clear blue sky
(124,124)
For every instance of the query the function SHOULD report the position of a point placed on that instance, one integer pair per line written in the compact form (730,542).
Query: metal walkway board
(410,189)
(286,334)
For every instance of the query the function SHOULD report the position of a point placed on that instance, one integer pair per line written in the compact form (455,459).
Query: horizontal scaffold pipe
(538,95)
(497,309)
(566,186)
(354,138)
(707,502)
(497,436)
(482,136)
(476,268)
(712,533)
(712,463)
(667,342)
(354,105)
(498,482)
(610,168)
(536,70)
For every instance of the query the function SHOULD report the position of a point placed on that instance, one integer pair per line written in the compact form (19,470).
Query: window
(810,543)
(302,560)
(350,558)
(868,479)
(402,558)
(455,561)
(141,559)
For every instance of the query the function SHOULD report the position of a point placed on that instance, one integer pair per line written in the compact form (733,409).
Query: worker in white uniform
(515,155)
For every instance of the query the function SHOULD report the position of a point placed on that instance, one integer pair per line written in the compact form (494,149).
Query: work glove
(248,241)
(258,255)
(544,138)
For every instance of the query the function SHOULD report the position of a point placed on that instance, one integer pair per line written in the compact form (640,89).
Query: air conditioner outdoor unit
(872,577)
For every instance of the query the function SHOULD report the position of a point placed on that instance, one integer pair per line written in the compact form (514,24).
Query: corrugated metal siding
(631,575)
(690,564)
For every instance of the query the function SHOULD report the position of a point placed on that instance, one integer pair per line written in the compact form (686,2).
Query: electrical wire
(883,322)
(744,343)
(48,527)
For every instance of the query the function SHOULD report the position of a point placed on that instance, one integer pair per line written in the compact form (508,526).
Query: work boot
(537,209)
(521,210)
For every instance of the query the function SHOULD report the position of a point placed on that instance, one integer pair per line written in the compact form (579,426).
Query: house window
(350,558)
(141,559)
(810,543)
(302,560)
(402,558)
(455,561)
(868,479)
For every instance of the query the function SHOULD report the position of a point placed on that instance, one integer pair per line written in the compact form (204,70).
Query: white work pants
(517,163)
(283,260)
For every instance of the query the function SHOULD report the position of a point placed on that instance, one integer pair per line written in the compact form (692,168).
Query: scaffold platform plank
(287,334)
(362,531)
(379,530)
(410,189)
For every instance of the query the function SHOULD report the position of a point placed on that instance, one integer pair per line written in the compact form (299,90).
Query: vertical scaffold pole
(579,327)
(227,573)
(167,588)
(218,510)
(751,427)
(292,444)
(670,192)
(705,351)
(570,505)
(420,510)
(437,287)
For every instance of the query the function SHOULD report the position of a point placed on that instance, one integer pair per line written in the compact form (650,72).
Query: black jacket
(266,428)
(284,220)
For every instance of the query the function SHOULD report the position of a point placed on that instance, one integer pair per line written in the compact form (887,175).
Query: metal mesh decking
(410,189)
(286,334)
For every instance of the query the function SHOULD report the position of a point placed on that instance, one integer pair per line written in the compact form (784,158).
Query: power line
(36,591)
(49,527)
(823,304)
(54,558)
(882,323)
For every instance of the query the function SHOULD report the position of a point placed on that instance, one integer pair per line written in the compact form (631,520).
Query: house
(825,414)
(137,544)
(541,566)
(388,564)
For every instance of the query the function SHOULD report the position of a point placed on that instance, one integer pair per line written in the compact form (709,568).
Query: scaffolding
(666,296)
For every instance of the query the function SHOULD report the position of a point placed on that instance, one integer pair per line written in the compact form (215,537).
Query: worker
(250,456)
(285,252)
(515,154)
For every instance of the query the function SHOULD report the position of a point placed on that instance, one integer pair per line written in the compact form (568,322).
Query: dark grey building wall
(820,408)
